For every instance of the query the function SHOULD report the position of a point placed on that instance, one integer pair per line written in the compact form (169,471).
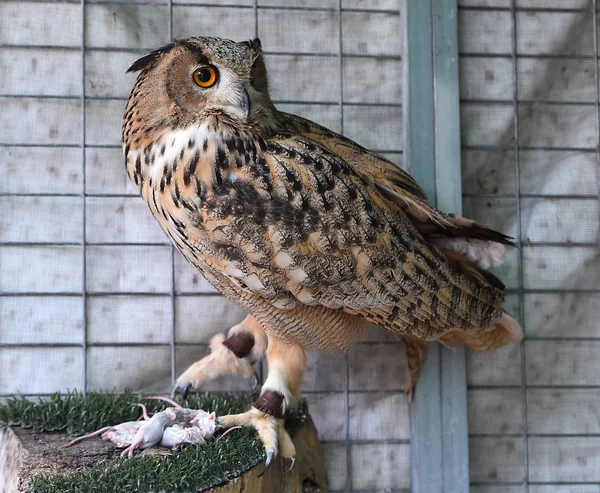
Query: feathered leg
(245,344)
(287,363)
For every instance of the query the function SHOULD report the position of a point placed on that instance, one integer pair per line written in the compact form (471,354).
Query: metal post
(440,458)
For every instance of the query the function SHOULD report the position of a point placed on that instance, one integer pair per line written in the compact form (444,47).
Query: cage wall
(529,89)
(92,296)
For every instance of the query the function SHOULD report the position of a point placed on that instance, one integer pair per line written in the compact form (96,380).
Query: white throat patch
(175,142)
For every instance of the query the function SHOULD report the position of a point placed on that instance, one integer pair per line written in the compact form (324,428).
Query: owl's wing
(449,230)
(372,167)
(302,226)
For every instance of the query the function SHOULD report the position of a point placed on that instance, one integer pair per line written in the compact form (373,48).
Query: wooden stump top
(25,453)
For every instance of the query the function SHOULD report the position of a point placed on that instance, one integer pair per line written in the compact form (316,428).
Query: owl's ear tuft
(147,60)
(254,44)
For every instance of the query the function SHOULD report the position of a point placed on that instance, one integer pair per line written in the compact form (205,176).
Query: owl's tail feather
(505,330)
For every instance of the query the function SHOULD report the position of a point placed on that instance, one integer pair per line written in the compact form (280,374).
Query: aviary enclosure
(93,297)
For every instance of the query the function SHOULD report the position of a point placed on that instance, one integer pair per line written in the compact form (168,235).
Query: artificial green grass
(193,469)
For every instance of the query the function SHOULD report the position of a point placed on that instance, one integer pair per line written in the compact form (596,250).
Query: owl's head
(190,79)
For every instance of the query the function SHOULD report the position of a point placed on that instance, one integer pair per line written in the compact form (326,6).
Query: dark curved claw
(186,389)
(292,464)
(219,423)
(256,380)
(270,455)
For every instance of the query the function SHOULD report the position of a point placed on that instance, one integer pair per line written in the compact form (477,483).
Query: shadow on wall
(547,132)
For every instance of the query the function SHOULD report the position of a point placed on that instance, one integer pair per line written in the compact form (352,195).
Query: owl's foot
(220,361)
(279,394)
(246,344)
(271,431)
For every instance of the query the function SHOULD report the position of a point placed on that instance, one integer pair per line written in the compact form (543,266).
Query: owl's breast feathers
(305,216)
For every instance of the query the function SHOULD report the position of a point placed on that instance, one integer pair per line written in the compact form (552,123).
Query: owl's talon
(292,464)
(256,380)
(271,431)
(268,461)
(186,389)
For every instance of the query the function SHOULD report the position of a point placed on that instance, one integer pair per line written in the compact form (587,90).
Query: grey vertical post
(455,436)
(419,149)
(172,294)
(84,343)
(440,460)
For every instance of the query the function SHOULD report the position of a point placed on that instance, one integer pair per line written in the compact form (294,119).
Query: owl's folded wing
(370,166)
(395,184)
(308,228)
(474,241)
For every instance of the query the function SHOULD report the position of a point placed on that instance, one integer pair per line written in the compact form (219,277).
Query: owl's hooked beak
(245,104)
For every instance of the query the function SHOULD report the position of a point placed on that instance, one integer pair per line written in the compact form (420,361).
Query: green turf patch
(195,468)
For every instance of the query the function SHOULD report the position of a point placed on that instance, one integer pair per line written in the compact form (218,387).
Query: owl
(315,236)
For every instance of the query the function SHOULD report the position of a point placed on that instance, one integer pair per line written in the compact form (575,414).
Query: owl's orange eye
(205,77)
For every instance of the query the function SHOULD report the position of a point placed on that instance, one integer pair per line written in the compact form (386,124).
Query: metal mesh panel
(92,295)
(530,168)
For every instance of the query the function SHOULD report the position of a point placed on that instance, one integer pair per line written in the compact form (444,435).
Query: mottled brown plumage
(311,233)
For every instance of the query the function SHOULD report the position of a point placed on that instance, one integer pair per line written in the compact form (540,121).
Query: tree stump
(25,453)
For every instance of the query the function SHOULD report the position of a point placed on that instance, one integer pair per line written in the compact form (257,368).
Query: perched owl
(315,236)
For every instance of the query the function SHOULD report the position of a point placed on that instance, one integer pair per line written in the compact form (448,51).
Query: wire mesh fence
(529,80)
(92,294)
